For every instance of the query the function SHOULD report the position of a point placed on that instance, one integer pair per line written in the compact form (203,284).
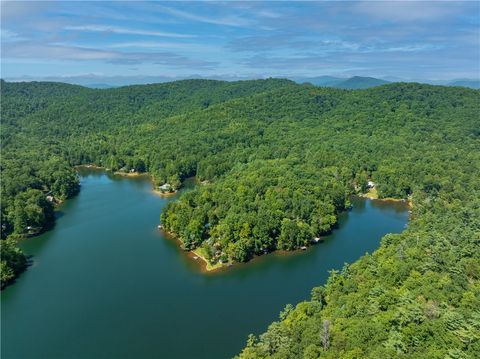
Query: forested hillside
(279,162)
(47,128)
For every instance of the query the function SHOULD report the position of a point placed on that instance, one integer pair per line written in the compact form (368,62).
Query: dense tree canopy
(278,162)
(47,128)
(260,206)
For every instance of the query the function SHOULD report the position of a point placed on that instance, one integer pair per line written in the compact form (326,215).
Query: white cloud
(224,20)
(269,14)
(125,31)
(29,50)
(164,45)
(10,36)
(32,50)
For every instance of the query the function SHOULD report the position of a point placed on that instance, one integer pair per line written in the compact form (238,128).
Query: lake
(105,283)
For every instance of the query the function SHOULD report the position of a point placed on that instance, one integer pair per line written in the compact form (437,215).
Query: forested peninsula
(279,162)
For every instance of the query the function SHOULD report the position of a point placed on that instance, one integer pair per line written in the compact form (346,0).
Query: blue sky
(409,39)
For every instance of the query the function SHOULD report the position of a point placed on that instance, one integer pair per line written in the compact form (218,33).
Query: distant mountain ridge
(100,86)
(354,82)
(364,82)
(474,84)
(358,82)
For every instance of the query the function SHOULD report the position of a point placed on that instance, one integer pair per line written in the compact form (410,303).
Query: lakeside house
(165,187)
(31,230)
(370,184)
(49,196)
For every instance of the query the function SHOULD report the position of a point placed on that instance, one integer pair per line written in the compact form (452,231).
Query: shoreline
(116,173)
(205,266)
(196,254)
(208,267)
(91,166)
(163,194)
(131,175)
(373,196)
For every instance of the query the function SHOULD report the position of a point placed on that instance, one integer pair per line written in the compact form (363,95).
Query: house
(50,198)
(370,184)
(165,187)
(31,230)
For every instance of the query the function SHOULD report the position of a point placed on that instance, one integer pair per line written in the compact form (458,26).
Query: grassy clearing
(200,252)
(371,193)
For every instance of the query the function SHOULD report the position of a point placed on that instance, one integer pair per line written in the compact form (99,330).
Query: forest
(277,163)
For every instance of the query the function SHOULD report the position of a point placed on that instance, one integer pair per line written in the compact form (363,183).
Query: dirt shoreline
(372,195)
(194,255)
(132,175)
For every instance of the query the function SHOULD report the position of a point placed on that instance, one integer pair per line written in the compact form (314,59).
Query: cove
(105,283)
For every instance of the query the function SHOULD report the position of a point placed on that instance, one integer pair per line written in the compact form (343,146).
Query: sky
(387,39)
